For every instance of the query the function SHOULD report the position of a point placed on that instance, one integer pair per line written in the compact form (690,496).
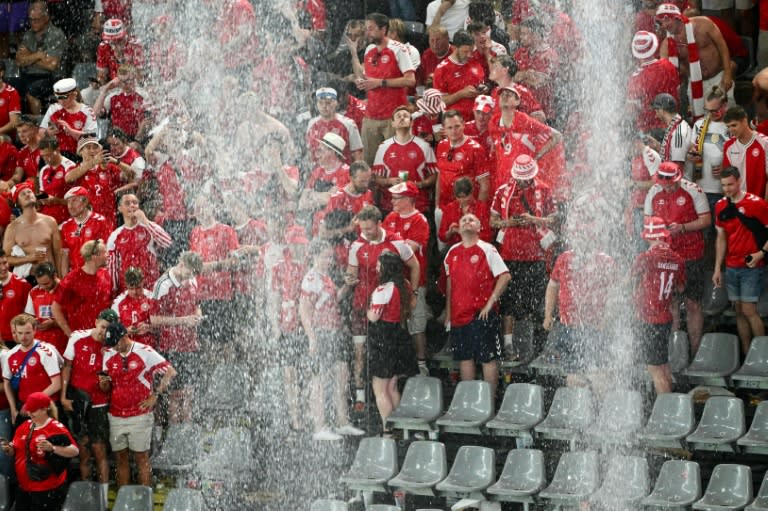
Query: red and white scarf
(695,77)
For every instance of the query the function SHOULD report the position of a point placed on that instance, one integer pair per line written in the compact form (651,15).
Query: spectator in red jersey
(485,48)
(13,298)
(82,225)
(457,156)
(426,122)
(524,211)
(122,103)
(51,182)
(747,150)
(476,279)
(39,304)
(47,489)
(502,72)
(538,64)
(177,317)
(478,127)
(40,373)
(28,157)
(656,274)
(645,164)
(352,197)
(248,282)
(130,369)
(135,307)
(330,175)
(439,49)
(736,215)
(464,203)
(412,226)
(386,74)
(84,291)
(329,120)
(391,351)
(115,49)
(10,105)
(81,396)
(459,77)
(32,237)
(9,176)
(68,119)
(401,158)
(135,244)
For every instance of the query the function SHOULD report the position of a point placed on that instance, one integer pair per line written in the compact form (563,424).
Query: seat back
(718,352)
(134,498)
(425,461)
(763,491)
(422,396)
(183,499)
(756,360)
(82,72)
(572,407)
(672,414)
(577,472)
(678,351)
(231,451)
(760,420)
(328,505)
(729,486)
(678,481)
(474,466)
(621,411)
(628,473)
(723,413)
(524,470)
(382,507)
(82,496)
(472,400)
(376,458)
(523,400)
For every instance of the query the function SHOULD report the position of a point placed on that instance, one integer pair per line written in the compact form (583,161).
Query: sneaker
(423,370)
(349,430)
(325,435)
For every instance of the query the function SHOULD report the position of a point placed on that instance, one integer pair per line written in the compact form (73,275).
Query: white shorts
(134,433)
(711,82)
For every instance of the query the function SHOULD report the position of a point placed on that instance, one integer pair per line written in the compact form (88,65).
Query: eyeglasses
(62,96)
(449,157)
(714,110)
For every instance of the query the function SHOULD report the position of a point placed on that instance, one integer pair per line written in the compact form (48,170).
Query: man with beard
(39,304)
(353,197)
(459,77)
(707,143)
(83,225)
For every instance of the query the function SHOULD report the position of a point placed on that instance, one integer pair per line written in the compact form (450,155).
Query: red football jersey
(658,273)
(136,246)
(452,213)
(10,103)
(752,161)
(135,311)
(8,160)
(83,296)
(286,283)
(385,300)
(171,192)
(126,111)
(545,61)
(175,299)
(338,177)
(87,357)
(42,367)
(650,79)
(528,102)
(252,233)
(214,243)
(415,228)
(51,181)
(391,62)
(102,182)
(39,304)
(364,255)
(415,157)
(74,235)
(340,125)
(20,442)
(319,290)
(132,377)
(13,302)
(29,160)
(522,243)
(583,281)
(451,76)
(82,120)
(133,54)
(429,62)
(740,240)
(681,206)
(468,159)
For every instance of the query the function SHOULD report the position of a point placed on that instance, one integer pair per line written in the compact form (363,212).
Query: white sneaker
(325,435)
(349,430)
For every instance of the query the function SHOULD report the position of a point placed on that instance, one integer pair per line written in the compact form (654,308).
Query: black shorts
(96,426)
(41,500)
(653,341)
(479,340)
(391,351)
(292,347)
(694,280)
(579,347)
(524,295)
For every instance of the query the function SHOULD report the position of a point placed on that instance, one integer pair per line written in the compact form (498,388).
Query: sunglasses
(62,96)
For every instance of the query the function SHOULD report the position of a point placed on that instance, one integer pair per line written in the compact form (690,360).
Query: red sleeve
(726,161)
(232,242)
(102,57)
(15,103)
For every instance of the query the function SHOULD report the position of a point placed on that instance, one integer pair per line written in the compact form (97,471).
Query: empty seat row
(87,496)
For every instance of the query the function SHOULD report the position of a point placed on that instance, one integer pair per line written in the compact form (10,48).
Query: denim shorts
(744,284)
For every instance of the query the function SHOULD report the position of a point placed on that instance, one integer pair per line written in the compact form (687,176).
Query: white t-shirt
(453,19)
(714,140)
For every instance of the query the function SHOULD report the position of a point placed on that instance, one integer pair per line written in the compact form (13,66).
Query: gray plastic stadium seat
(572,411)
(473,470)
(754,372)
(717,358)
(672,419)
(576,478)
(183,499)
(180,449)
(471,407)
(5,496)
(414,26)
(761,501)
(521,409)
(328,505)
(82,72)
(621,414)
(678,485)
(230,452)
(424,466)
(730,487)
(678,351)
(82,496)
(375,463)
(523,477)
(134,498)
(420,405)
(756,439)
(224,378)
(626,483)
(382,507)
(722,423)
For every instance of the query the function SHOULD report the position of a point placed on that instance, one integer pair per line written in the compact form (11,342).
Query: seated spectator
(117,48)
(124,105)
(68,119)
(329,120)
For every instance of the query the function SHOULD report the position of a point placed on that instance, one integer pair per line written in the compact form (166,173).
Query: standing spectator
(83,225)
(460,77)
(329,120)
(385,74)
(68,119)
(708,139)
(477,277)
(126,157)
(738,216)
(502,72)
(452,14)
(645,164)
(330,175)
(28,158)
(130,368)
(485,48)
(440,48)
(13,297)
(47,488)
(51,180)
(464,203)
(674,146)
(10,107)
(478,128)
(116,49)
(40,303)
(537,63)
(747,151)
(135,307)
(353,197)
(123,103)
(39,57)
(84,291)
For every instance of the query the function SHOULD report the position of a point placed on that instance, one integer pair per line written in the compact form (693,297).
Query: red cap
(26,185)
(405,189)
(77,191)
(668,10)
(36,401)
(669,172)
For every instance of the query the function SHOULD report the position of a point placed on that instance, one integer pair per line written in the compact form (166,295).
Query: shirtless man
(714,58)
(34,233)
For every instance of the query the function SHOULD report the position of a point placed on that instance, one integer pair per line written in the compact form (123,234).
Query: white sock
(105,494)
(360,395)
(507,340)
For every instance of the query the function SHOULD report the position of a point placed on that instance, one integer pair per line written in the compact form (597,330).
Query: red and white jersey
(101,182)
(29,160)
(176,299)
(126,111)
(364,255)
(752,161)
(133,159)
(172,193)
(451,76)
(83,296)
(496,50)
(385,301)
(286,279)
(136,311)
(8,160)
(133,54)
(20,442)
(739,239)
(641,172)
(10,103)
(43,366)
(82,120)
(214,243)
(649,80)
(394,61)
(86,355)
(583,281)
(136,246)
(324,178)
(658,273)
(429,62)
(414,228)
(50,180)
(39,305)
(544,60)
(486,140)
(473,272)
(348,201)
(468,159)
(528,102)
(132,376)
(13,301)
(681,206)
(522,243)
(319,290)
(415,157)
(340,125)
(75,234)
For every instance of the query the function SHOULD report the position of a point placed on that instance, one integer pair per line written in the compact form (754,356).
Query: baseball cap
(64,86)
(115,332)
(484,104)
(644,45)
(84,141)
(36,401)
(108,315)
(512,88)
(113,30)
(335,143)
(668,172)
(26,185)
(664,101)
(326,93)
(524,168)
(405,189)
(77,191)
(654,228)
